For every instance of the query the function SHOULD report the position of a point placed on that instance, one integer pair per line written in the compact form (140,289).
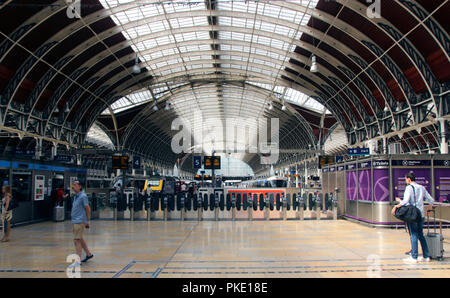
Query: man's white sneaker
(410,260)
(422,259)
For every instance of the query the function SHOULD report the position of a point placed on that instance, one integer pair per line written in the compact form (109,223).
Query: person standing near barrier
(415,195)
(80,220)
(6,214)
(60,196)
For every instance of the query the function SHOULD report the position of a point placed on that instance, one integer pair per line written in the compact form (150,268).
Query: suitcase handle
(428,218)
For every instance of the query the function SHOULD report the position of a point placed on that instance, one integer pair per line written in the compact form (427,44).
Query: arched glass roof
(184,38)
(97,136)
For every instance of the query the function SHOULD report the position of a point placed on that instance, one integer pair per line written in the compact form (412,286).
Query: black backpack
(410,213)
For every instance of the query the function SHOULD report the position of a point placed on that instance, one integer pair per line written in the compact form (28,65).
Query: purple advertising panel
(365,192)
(442,183)
(351,185)
(381,185)
(423,177)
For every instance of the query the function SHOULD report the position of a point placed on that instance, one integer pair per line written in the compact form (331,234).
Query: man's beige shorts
(78,230)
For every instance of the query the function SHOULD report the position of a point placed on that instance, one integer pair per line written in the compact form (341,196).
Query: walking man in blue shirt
(80,220)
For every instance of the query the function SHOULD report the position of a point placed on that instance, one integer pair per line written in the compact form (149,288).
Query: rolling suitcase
(58,213)
(435,241)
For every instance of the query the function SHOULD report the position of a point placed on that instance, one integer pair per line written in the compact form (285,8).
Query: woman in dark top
(6,215)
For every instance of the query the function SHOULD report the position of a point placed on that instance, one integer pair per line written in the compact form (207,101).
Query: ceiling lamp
(136,68)
(270,106)
(167,107)
(314,66)
(56,110)
(155,107)
(67,110)
(283,108)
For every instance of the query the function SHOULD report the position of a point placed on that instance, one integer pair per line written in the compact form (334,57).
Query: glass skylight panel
(97,136)
(271,10)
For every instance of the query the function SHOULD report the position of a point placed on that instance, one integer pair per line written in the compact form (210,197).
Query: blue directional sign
(358,151)
(197,162)
(136,162)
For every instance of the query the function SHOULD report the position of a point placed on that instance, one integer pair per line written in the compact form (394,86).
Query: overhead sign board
(197,162)
(120,162)
(358,151)
(210,161)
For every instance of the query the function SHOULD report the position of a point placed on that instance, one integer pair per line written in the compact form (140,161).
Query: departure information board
(209,161)
(120,162)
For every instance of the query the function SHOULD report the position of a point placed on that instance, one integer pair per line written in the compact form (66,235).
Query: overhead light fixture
(56,110)
(136,68)
(283,108)
(67,110)
(155,107)
(167,107)
(270,106)
(314,66)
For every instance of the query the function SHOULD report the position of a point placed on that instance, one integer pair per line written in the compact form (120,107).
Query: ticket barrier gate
(309,208)
(250,207)
(233,207)
(216,207)
(258,211)
(208,206)
(200,207)
(191,207)
(318,201)
(266,207)
(148,202)
(301,206)
(284,206)
(182,206)
(275,206)
(241,206)
(165,206)
(131,207)
(114,206)
(156,206)
(226,207)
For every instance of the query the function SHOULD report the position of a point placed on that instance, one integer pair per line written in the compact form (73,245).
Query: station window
(21,185)
(4,176)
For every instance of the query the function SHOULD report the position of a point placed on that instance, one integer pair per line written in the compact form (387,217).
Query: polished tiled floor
(217,249)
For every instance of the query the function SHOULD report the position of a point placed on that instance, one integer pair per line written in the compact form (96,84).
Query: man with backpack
(414,195)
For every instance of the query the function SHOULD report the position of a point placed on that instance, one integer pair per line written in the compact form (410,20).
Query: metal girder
(22,72)
(411,53)
(435,30)
(7,44)
(418,59)
(165,16)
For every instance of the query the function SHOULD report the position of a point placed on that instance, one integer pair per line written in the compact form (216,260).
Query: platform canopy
(130,68)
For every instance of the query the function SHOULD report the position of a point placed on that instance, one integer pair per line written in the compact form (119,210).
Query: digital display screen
(326,160)
(120,162)
(209,161)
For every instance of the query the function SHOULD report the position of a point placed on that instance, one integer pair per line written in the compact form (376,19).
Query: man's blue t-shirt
(80,200)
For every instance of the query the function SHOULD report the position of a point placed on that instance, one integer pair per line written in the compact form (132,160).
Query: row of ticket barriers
(218,206)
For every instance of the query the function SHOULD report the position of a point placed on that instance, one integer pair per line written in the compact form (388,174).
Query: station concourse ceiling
(65,67)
